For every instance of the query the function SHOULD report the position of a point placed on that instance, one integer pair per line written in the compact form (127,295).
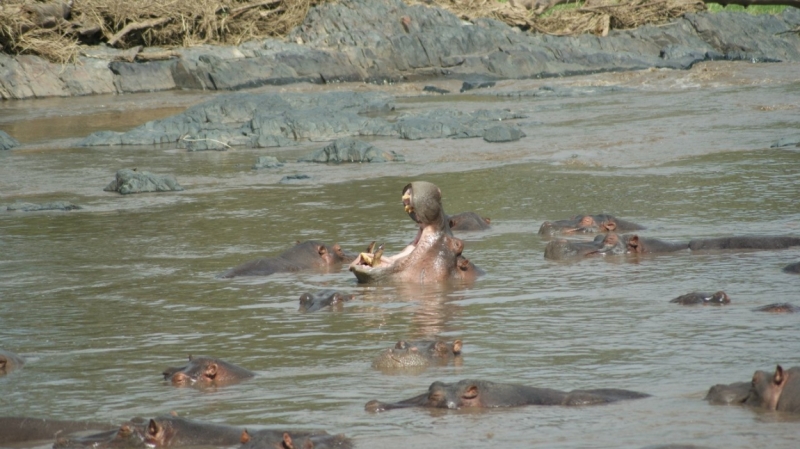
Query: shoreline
(359,40)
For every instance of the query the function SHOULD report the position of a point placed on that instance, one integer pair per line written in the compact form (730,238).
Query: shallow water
(101,299)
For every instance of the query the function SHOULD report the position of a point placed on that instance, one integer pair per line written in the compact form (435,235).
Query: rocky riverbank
(389,41)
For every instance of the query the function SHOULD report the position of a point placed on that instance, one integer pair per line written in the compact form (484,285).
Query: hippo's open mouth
(374,258)
(434,255)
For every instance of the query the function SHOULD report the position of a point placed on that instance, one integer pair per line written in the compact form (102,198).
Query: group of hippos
(433,256)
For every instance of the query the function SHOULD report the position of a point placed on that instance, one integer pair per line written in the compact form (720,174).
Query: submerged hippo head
(417,354)
(9,362)
(602,244)
(433,256)
(206,371)
(587,224)
(767,388)
(127,436)
(468,221)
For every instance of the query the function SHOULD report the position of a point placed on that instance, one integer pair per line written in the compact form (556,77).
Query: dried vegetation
(56,29)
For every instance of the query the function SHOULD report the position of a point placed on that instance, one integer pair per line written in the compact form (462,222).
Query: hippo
(174,431)
(719,298)
(9,362)
(206,372)
(433,256)
(792,268)
(779,391)
(722,394)
(307,255)
(778,307)
(311,302)
(644,245)
(602,244)
(417,354)
(588,224)
(744,242)
(468,221)
(272,439)
(486,394)
(610,243)
(128,436)
(21,429)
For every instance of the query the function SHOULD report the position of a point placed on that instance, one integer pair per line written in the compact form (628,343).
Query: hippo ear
(457,347)
(322,250)
(338,250)
(211,370)
(245,437)
(487,220)
(633,244)
(471,392)
(190,357)
(609,226)
(287,442)
(779,378)
(153,429)
(308,444)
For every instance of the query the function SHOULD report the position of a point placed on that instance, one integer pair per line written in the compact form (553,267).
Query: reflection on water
(102,299)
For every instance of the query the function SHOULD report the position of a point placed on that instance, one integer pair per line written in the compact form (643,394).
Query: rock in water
(130,181)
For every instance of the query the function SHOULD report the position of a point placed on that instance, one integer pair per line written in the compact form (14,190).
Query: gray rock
(7,142)
(365,40)
(262,120)
(351,150)
(267,162)
(270,141)
(435,90)
(129,181)
(444,123)
(791,141)
(476,84)
(564,91)
(288,179)
(143,76)
(32,207)
(503,133)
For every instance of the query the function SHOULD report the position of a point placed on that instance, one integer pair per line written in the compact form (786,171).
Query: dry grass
(25,29)
(593,16)
(32,27)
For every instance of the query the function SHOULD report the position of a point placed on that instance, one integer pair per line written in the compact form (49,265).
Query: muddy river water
(100,300)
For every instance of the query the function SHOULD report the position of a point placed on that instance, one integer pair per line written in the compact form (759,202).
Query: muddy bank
(388,41)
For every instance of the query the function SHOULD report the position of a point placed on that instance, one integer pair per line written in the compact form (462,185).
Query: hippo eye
(435,398)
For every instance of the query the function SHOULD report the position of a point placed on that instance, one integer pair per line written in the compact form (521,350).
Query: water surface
(101,299)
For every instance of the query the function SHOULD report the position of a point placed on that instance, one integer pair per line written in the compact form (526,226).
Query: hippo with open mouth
(433,256)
